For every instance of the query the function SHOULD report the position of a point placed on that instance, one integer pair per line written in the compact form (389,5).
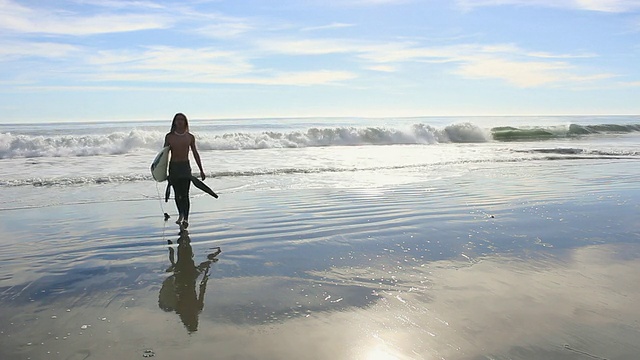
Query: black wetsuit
(180,179)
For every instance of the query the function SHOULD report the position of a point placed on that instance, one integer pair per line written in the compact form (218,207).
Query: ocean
(312,152)
(460,238)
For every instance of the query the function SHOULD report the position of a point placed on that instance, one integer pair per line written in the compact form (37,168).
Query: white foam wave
(13,146)
(344,136)
(27,145)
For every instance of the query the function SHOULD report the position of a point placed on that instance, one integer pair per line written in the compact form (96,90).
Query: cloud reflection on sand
(498,308)
(551,306)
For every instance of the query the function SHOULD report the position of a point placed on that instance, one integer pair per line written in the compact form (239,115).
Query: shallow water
(497,260)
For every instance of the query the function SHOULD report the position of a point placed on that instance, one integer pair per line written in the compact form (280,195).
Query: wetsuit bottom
(180,179)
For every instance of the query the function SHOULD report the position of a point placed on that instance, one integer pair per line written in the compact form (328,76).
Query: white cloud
(378,2)
(519,73)
(157,64)
(224,30)
(507,62)
(204,66)
(308,46)
(213,24)
(617,6)
(121,4)
(609,5)
(15,50)
(630,84)
(301,78)
(177,64)
(472,4)
(343,3)
(405,52)
(513,65)
(327,27)
(546,55)
(17,18)
(382,68)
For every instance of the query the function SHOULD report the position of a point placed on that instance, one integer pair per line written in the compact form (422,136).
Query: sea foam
(115,143)
(20,145)
(12,146)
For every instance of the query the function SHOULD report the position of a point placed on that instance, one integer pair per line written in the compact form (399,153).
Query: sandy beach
(543,266)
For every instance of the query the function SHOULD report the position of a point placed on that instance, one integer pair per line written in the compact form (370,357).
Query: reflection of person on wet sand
(178,292)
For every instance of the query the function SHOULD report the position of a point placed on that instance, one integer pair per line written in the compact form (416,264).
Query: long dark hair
(179,116)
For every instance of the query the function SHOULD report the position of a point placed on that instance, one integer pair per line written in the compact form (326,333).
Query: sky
(93,60)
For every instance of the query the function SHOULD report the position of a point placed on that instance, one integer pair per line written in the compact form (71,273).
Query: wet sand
(518,262)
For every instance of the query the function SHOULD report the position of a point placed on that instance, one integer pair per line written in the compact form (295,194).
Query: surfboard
(202,186)
(160,164)
(199,184)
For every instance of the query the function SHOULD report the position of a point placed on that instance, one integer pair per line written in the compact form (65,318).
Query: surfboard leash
(166,216)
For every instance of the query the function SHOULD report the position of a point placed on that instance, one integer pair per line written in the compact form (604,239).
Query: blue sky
(134,60)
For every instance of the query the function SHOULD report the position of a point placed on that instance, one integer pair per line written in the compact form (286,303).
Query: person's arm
(196,156)
(166,141)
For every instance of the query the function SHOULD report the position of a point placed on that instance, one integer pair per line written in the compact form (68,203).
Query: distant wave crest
(13,146)
(16,145)
(509,133)
(345,136)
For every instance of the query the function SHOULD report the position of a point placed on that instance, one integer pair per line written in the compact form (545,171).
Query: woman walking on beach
(180,140)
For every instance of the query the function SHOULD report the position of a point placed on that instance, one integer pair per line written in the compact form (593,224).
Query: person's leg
(180,179)
(181,194)
(176,190)
(186,203)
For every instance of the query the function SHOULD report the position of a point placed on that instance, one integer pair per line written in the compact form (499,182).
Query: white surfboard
(160,164)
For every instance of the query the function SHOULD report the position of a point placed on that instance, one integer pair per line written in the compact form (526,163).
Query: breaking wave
(14,146)
(509,133)
(115,143)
